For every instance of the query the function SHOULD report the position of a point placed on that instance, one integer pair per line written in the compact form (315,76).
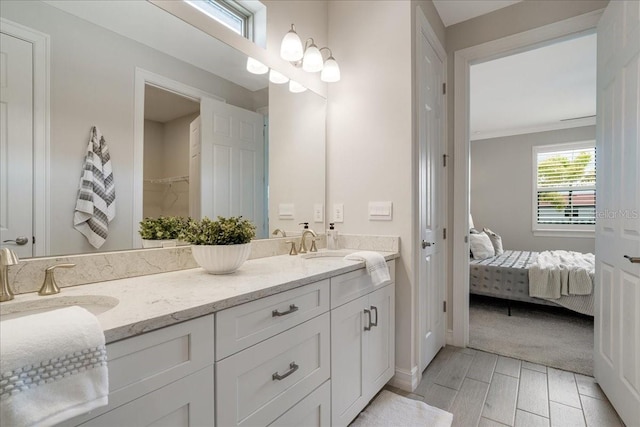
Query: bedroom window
(564,188)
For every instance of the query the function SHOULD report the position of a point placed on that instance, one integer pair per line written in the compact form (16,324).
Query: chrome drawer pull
(292,308)
(292,368)
(368,313)
(633,259)
(376,310)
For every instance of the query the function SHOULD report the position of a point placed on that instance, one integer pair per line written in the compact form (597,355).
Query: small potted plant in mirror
(163,232)
(220,246)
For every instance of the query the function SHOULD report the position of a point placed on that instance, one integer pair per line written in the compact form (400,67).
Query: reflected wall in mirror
(100,51)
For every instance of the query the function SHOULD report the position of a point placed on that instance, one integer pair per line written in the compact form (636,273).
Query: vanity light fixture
(277,78)
(256,67)
(310,57)
(291,46)
(296,87)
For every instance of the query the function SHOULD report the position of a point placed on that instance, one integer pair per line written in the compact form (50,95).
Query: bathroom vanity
(284,341)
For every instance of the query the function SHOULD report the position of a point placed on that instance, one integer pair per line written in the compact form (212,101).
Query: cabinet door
(348,343)
(380,351)
(187,402)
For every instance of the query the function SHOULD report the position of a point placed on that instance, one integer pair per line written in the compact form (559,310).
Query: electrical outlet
(318,212)
(338,212)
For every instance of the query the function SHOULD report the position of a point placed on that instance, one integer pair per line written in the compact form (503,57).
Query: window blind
(566,186)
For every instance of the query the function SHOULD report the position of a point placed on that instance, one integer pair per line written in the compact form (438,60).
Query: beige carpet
(390,409)
(549,336)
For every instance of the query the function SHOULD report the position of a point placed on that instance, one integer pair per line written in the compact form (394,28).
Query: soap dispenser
(332,237)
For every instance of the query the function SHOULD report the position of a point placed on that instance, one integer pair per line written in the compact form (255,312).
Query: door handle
(426,244)
(633,259)
(368,313)
(18,241)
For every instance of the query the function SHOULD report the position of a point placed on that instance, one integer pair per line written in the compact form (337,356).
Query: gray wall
(501,188)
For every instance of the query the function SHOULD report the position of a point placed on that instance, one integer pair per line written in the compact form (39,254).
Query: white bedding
(561,273)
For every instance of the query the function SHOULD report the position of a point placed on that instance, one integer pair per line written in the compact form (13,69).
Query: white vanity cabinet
(273,354)
(163,377)
(362,343)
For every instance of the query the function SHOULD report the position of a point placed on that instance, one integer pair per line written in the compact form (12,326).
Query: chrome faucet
(277,230)
(7,258)
(303,245)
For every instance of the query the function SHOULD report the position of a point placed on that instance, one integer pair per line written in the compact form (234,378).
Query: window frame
(557,230)
(234,8)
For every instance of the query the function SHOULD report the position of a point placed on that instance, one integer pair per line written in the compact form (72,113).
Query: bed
(507,276)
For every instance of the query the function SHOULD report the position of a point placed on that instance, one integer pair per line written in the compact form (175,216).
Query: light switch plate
(380,211)
(286,211)
(338,212)
(318,212)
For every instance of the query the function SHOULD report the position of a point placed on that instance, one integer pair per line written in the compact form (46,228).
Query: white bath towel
(375,263)
(96,202)
(557,273)
(53,366)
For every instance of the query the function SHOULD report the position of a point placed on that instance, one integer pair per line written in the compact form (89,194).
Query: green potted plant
(162,232)
(220,246)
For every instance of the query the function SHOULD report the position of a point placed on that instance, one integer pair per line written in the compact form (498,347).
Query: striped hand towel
(96,204)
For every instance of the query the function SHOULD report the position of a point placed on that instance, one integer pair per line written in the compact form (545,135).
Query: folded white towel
(53,366)
(96,201)
(376,265)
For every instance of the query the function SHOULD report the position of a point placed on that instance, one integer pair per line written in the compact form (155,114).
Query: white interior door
(232,172)
(194,168)
(431,266)
(16,145)
(617,287)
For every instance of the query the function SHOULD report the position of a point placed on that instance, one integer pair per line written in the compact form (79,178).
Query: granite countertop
(151,302)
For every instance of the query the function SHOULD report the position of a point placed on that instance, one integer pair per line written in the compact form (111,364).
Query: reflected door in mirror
(16,145)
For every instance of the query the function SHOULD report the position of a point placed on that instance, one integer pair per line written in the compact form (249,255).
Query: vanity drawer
(349,286)
(312,411)
(247,388)
(245,325)
(147,362)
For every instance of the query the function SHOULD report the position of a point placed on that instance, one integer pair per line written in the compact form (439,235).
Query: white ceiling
(535,90)
(454,11)
(163,106)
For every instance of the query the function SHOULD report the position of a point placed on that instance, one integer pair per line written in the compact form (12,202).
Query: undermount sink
(327,254)
(95,304)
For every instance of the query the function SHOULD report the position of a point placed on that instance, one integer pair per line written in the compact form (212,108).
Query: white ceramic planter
(221,259)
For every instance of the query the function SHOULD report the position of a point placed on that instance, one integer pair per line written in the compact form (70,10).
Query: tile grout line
(584,416)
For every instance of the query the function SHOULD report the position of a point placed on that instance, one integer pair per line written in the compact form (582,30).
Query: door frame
(424,28)
(142,78)
(41,43)
(464,58)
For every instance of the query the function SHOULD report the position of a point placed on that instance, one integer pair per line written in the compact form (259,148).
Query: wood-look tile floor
(487,390)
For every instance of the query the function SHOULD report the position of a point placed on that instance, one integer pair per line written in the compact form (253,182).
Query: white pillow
(496,241)
(481,246)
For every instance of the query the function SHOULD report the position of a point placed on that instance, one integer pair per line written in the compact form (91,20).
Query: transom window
(564,187)
(227,12)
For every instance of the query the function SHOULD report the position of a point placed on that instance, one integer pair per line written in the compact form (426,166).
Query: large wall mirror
(190,132)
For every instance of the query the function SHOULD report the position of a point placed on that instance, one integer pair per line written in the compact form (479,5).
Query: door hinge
(444,88)
(444,234)
(34,239)
(444,160)
(444,306)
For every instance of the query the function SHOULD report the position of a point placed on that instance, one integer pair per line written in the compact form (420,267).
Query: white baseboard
(449,338)
(405,380)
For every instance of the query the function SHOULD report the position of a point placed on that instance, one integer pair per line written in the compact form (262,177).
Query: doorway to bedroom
(532,203)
